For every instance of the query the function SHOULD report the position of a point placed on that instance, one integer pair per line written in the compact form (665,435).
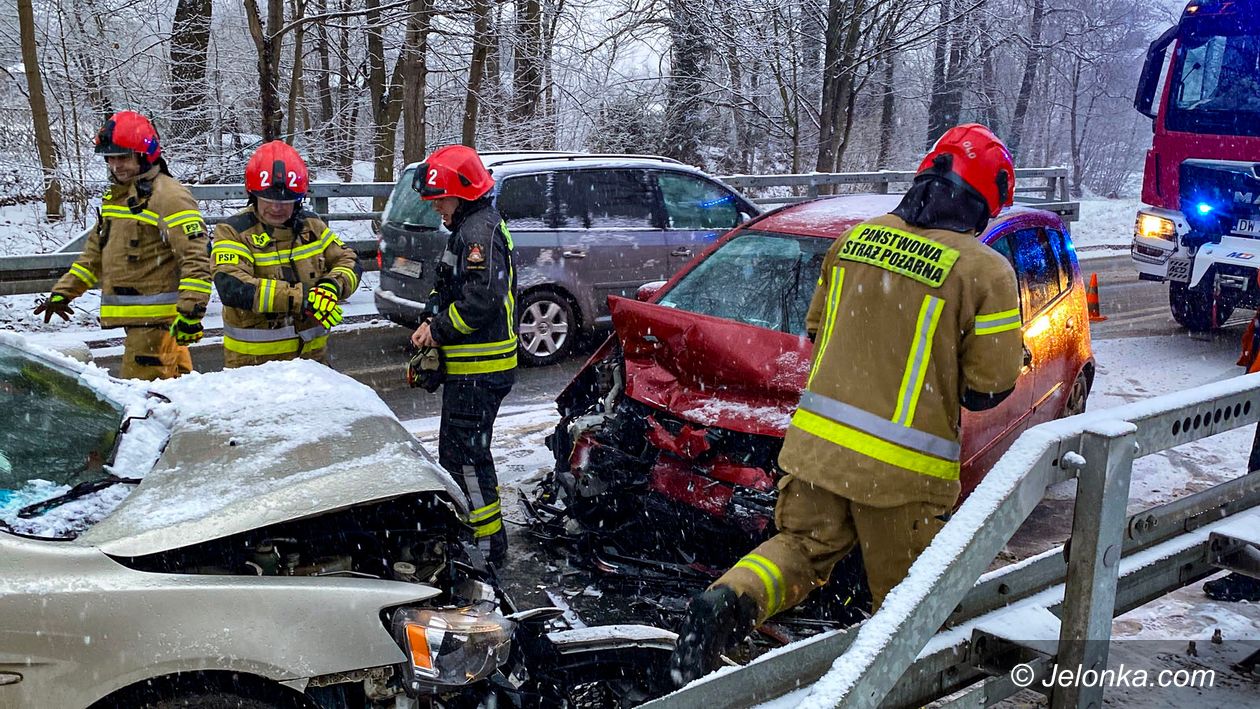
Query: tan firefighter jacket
(148,253)
(905,319)
(263,274)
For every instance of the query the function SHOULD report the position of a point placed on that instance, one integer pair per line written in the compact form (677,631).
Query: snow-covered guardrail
(35,273)
(941,632)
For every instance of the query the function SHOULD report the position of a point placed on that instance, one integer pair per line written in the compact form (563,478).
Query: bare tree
(39,111)
(190,43)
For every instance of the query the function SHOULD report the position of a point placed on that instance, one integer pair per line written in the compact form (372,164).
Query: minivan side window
(523,202)
(693,203)
(1038,270)
(604,199)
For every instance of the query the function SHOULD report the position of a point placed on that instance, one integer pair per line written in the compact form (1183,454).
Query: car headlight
(451,646)
(1155,227)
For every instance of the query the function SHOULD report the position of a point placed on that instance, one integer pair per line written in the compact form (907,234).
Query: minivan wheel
(547,328)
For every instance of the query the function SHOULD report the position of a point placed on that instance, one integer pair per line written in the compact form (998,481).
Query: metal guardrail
(37,273)
(940,632)
(1053,195)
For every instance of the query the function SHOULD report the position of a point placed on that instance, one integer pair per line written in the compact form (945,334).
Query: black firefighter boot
(715,619)
(1235,587)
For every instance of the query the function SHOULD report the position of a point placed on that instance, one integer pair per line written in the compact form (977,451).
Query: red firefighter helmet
(275,171)
(128,132)
(979,160)
(452,171)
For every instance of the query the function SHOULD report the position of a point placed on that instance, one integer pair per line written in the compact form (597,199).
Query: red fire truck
(1199,228)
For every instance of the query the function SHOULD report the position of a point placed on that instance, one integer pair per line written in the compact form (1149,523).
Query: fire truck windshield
(1216,81)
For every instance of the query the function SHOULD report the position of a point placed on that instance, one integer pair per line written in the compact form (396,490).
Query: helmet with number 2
(275,171)
(452,171)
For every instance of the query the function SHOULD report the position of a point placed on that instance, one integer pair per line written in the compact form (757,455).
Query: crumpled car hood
(284,441)
(711,371)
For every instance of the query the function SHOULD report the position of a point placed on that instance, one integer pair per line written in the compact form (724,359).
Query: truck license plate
(1250,227)
(407,267)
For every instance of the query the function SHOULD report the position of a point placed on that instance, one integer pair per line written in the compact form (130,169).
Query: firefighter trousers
(469,408)
(817,529)
(149,353)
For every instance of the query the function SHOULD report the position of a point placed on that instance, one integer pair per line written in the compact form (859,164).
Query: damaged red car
(669,436)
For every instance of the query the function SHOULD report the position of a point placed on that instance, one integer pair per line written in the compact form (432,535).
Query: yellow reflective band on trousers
(994,323)
(918,359)
(872,447)
(833,304)
(457,320)
(83,274)
(771,577)
(262,342)
(486,520)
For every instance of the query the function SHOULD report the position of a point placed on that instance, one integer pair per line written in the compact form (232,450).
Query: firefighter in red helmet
(147,253)
(280,271)
(472,322)
(872,453)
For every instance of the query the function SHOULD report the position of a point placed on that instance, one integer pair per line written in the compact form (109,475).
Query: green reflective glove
(329,319)
(323,297)
(186,330)
(55,304)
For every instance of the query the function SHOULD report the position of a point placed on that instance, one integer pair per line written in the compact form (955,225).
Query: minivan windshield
(757,278)
(1216,79)
(54,430)
(406,208)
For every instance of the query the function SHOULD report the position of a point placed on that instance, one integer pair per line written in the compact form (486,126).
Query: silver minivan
(585,227)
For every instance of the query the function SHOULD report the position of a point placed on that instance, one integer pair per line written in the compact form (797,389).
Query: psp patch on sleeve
(227,258)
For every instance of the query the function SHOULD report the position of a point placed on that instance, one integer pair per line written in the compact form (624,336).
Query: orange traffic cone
(1091,299)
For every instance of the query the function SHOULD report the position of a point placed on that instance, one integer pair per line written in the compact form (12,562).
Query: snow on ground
(1105,227)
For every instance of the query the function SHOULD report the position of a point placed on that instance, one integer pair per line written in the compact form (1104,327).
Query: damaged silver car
(265,537)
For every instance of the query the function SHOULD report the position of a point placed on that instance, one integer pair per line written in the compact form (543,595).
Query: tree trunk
(295,81)
(476,70)
(1031,60)
(940,52)
(415,79)
(844,35)
(887,124)
(809,88)
(267,46)
(1074,138)
(44,144)
(190,41)
(683,103)
(347,106)
(386,102)
(988,75)
(527,71)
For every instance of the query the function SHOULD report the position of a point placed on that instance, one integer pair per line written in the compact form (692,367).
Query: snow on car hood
(261,445)
(711,371)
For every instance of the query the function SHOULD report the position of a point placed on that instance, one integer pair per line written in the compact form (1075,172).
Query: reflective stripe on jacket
(475,297)
(263,275)
(905,320)
(147,253)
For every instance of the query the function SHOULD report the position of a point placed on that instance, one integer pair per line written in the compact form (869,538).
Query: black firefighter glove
(426,370)
(55,304)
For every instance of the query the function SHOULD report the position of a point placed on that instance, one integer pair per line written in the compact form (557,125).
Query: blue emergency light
(1204,208)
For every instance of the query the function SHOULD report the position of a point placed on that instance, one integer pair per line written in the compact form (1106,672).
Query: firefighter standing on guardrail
(147,252)
(280,271)
(913,318)
(472,322)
